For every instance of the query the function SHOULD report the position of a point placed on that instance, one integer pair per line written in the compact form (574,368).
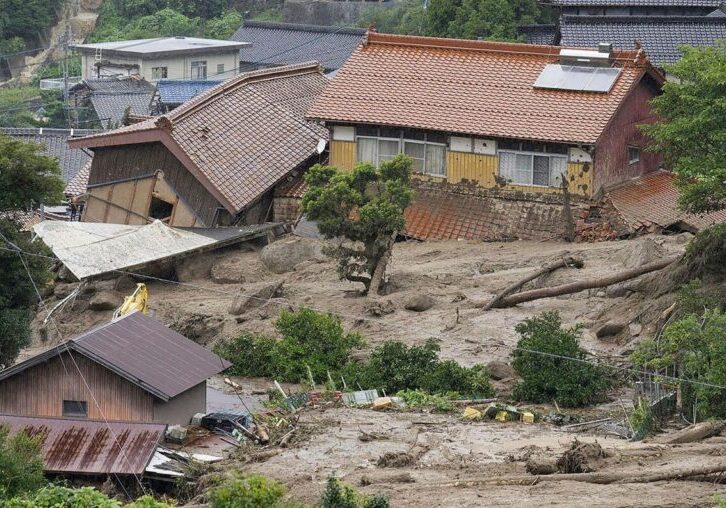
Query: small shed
(131,369)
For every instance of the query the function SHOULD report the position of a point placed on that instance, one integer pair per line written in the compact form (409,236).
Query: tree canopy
(364,206)
(691,132)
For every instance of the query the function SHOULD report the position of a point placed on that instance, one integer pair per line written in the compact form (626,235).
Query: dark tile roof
(54,141)
(653,199)
(638,3)
(242,136)
(175,91)
(288,43)
(111,106)
(660,36)
(143,351)
(482,88)
(126,84)
(79,183)
(90,446)
(539,34)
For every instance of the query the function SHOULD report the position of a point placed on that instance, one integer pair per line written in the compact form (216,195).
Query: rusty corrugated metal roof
(90,446)
(143,351)
(652,199)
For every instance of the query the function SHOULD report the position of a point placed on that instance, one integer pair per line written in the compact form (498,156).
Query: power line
(288,303)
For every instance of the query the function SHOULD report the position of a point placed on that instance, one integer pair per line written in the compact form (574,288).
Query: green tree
(562,372)
(365,207)
(164,23)
(438,16)
(21,464)
(223,26)
(26,180)
(691,132)
(253,491)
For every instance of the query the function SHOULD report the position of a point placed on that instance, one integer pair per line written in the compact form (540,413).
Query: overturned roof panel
(88,446)
(88,249)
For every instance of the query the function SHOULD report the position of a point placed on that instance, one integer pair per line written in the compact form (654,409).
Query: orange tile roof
(652,199)
(473,87)
(241,137)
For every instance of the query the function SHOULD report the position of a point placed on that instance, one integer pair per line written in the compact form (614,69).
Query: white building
(162,58)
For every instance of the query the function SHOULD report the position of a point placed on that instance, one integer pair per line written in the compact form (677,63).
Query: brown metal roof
(239,138)
(89,446)
(143,351)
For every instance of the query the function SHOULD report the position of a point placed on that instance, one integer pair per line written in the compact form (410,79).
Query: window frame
(631,160)
(549,155)
(402,140)
(164,74)
(220,68)
(81,404)
(198,64)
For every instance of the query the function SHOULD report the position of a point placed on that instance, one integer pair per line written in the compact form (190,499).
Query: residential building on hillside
(161,58)
(276,44)
(213,161)
(132,369)
(636,7)
(498,115)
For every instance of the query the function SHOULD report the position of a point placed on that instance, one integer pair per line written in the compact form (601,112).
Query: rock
(635,329)
(379,308)
(500,370)
(65,274)
(200,328)
(47,291)
(617,291)
(105,300)
(382,403)
(63,290)
(176,433)
(228,271)
(282,256)
(243,303)
(125,284)
(194,267)
(420,303)
(609,329)
(541,465)
(645,251)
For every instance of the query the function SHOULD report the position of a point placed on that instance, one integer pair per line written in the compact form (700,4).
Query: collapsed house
(214,161)
(109,101)
(492,127)
(133,369)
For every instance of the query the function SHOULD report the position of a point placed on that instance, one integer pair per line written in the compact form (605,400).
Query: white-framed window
(633,154)
(220,68)
(199,69)
(531,168)
(159,72)
(428,151)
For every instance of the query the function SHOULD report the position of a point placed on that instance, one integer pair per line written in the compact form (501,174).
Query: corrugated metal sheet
(88,249)
(91,447)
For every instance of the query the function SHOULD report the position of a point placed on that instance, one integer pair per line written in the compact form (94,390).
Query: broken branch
(575,287)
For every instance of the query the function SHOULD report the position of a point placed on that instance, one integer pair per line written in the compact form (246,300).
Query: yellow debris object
(382,403)
(502,416)
(138,301)
(471,414)
(527,417)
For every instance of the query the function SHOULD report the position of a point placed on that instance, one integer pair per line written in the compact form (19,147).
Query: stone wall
(286,209)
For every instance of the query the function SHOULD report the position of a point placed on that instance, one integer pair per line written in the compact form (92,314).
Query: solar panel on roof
(577,78)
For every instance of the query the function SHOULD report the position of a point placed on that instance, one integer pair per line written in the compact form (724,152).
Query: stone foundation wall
(285,209)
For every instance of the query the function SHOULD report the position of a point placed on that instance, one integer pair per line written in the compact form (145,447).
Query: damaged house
(492,127)
(215,160)
(133,369)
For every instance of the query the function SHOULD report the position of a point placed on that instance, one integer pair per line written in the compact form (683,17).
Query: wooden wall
(112,165)
(41,390)
(475,167)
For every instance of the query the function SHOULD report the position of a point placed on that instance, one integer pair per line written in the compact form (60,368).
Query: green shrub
(57,496)
(309,339)
(546,378)
(393,367)
(338,495)
(252,491)
(642,420)
(21,464)
(416,399)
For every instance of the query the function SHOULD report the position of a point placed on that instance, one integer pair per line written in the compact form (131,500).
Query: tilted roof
(472,87)
(79,183)
(116,84)
(661,36)
(539,34)
(288,43)
(90,446)
(161,46)
(143,351)
(177,91)
(240,137)
(55,144)
(111,107)
(638,3)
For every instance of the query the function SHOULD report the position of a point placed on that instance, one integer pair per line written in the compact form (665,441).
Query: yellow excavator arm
(138,301)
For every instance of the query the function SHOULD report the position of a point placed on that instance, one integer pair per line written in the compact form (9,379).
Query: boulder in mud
(582,458)
(244,302)
(378,308)
(61,290)
(500,370)
(541,465)
(282,256)
(194,267)
(105,300)
(609,329)
(645,251)
(228,271)
(420,303)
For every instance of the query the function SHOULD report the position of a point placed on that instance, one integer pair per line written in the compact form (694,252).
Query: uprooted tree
(363,209)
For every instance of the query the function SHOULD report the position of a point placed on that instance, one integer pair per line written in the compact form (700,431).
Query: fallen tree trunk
(575,287)
(599,478)
(562,263)
(695,432)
